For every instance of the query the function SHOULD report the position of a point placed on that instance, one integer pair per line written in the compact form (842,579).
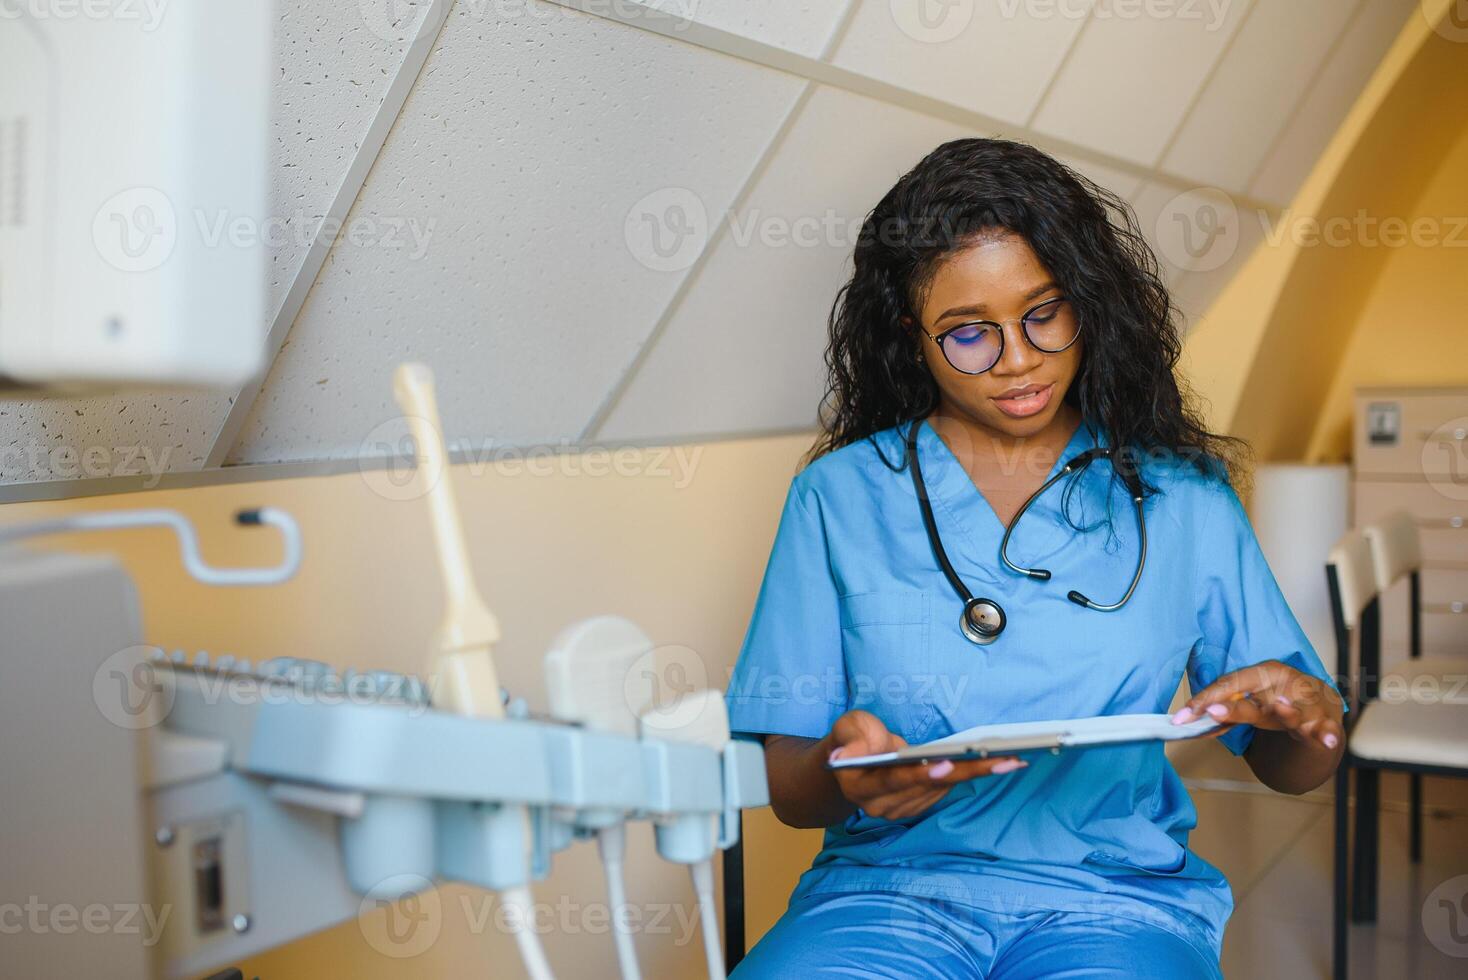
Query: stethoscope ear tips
(1078,599)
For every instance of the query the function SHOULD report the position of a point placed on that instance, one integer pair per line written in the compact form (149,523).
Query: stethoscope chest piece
(981,621)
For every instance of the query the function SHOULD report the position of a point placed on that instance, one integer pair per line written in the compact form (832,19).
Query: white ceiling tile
(1367,39)
(1130,78)
(1180,227)
(333,65)
(992,56)
(743,351)
(131,435)
(503,237)
(1260,80)
(802,26)
(1201,237)
(1194,292)
(536,132)
(1122,183)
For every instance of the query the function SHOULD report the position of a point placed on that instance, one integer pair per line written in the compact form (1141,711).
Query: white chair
(1396,553)
(1421,733)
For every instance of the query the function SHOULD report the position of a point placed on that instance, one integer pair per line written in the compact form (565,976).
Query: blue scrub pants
(888,934)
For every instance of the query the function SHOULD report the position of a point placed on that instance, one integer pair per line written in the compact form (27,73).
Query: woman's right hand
(898,792)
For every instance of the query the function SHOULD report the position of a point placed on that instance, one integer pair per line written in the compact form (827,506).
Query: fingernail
(1008,765)
(1285,701)
(941,769)
(1218,710)
(1183,715)
(835,753)
(1331,741)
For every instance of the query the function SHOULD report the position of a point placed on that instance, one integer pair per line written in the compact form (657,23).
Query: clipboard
(1019,738)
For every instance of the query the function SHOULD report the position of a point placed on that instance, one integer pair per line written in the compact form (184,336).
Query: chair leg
(1416,832)
(1373,847)
(1363,888)
(1340,927)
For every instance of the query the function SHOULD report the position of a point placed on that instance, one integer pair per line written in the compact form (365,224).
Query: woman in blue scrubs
(1005,314)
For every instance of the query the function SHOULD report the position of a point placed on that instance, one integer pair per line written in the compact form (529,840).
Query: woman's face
(1000,279)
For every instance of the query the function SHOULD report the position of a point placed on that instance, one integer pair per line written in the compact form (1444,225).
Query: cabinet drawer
(1444,631)
(1441,520)
(1413,434)
(1443,587)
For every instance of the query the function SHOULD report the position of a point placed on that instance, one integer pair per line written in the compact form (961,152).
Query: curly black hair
(1087,237)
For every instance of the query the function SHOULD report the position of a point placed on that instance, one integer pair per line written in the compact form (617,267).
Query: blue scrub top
(854,612)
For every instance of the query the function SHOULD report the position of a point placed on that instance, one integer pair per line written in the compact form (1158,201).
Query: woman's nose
(1019,355)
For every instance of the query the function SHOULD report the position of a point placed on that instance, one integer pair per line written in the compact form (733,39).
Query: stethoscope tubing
(993,618)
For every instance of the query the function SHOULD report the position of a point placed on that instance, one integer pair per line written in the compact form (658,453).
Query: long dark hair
(1090,241)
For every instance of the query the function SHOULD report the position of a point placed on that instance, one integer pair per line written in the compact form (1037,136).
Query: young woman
(1005,315)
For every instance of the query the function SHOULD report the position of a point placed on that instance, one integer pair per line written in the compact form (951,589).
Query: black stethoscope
(982,619)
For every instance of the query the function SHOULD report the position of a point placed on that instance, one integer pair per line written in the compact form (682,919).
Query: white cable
(700,718)
(703,887)
(520,902)
(612,843)
(188,541)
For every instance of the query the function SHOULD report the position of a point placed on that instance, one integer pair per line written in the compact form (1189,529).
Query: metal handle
(188,541)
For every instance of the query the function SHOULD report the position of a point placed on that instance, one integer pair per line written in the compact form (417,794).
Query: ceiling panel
(130,435)
(1261,79)
(991,57)
(1201,236)
(1366,40)
(547,186)
(505,233)
(1131,76)
(802,26)
(1123,183)
(333,64)
(743,352)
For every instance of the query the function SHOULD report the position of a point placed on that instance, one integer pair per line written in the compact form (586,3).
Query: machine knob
(305,674)
(388,687)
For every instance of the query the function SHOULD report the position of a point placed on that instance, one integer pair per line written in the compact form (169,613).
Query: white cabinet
(1411,453)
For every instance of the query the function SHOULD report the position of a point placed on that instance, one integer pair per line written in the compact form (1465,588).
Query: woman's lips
(1024,406)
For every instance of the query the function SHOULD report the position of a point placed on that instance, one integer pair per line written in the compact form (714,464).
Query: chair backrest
(1351,578)
(1396,548)
(1352,574)
(1396,553)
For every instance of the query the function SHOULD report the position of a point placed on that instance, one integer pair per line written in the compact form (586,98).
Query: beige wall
(678,547)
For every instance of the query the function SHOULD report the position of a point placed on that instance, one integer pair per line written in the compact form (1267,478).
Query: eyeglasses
(976,346)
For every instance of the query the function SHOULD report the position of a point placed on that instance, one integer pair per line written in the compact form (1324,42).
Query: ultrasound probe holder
(313,807)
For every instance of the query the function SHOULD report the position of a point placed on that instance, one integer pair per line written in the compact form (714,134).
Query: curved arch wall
(1363,279)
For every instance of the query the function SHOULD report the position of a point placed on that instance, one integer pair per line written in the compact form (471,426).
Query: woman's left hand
(1270,695)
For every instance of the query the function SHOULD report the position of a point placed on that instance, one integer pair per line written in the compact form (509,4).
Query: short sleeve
(1243,617)
(790,678)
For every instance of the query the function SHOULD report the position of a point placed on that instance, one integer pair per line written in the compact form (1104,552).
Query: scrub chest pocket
(886,642)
